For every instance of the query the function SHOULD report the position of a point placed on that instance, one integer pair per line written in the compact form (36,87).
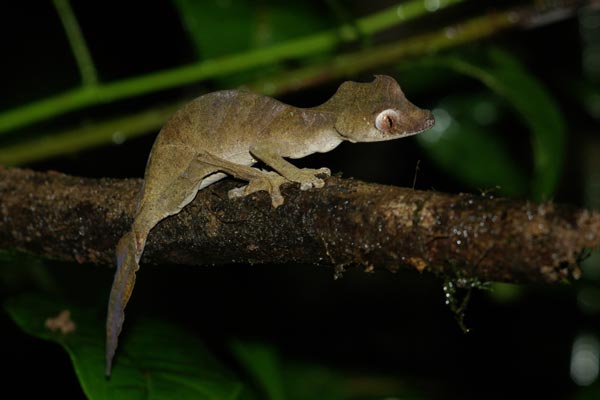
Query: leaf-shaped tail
(127,265)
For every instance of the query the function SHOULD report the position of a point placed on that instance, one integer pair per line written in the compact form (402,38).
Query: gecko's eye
(387,120)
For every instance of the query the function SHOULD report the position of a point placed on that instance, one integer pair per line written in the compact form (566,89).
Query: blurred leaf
(507,77)
(587,93)
(284,379)
(304,380)
(506,293)
(462,143)
(22,271)
(244,24)
(263,364)
(591,392)
(504,74)
(155,359)
(228,20)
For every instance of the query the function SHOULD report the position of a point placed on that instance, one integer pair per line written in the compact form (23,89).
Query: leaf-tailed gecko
(225,133)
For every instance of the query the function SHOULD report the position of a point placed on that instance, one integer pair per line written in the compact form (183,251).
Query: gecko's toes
(312,183)
(237,192)
(319,183)
(276,199)
(324,171)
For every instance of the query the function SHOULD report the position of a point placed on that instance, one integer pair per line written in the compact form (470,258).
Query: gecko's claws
(323,171)
(268,181)
(308,179)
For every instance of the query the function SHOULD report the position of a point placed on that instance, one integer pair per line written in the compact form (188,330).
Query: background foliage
(514,89)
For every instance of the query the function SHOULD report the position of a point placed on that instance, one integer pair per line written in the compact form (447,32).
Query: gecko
(225,133)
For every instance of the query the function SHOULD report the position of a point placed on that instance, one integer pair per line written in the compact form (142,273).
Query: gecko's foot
(268,181)
(307,178)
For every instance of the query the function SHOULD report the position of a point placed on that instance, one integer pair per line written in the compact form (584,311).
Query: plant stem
(315,44)
(373,226)
(89,76)
(352,63)
(115,130)
(343,65)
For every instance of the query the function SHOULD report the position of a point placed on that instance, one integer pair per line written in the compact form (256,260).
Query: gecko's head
(377,111)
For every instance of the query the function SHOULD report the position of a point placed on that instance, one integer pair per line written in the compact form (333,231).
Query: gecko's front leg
(306,177)
(257,180)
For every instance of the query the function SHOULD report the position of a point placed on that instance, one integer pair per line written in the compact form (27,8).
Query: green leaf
(529,100)
(221,27)
(262,363)
(462,143)
(304,380)
(505,75)
(309,381)
(225,27)
(281,379)
(155,359)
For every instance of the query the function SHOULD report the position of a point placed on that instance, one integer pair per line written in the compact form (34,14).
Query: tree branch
(347,222)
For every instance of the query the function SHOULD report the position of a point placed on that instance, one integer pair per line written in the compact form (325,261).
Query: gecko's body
(225,133)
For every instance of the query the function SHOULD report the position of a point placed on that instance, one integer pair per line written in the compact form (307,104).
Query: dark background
(519,345)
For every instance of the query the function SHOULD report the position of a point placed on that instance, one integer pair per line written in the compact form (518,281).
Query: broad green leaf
(462,143)
(221,27)
(505,75)
(526,96)
(225,27)
(217,27)
(155,359)
(263,364)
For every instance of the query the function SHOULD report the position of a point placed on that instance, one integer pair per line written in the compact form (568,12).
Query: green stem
(137,124)
(100,133)
(79,48)
(351,63)
(315,44)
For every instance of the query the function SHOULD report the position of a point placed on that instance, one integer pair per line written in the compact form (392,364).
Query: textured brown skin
(227,132)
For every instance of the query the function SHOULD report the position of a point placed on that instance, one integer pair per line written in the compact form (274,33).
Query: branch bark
(347,222)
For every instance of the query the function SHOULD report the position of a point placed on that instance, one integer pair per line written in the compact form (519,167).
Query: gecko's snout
(424,120)
(429,119)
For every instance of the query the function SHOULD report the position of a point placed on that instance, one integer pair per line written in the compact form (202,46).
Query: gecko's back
(207,123)
(220,122)
(226,124)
